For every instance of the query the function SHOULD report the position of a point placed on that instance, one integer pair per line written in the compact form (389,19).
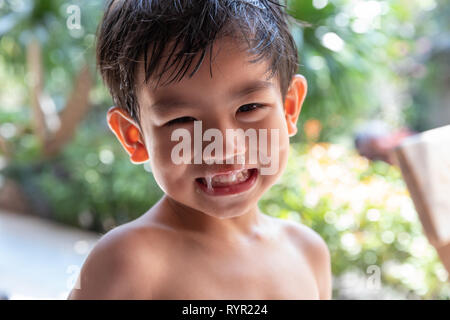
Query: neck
(242,226)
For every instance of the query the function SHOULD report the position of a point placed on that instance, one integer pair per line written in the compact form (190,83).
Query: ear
(293,103)
(128,134)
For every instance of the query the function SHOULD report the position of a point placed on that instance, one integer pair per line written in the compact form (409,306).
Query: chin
(222,209)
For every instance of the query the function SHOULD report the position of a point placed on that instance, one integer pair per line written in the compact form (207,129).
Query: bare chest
(261,273)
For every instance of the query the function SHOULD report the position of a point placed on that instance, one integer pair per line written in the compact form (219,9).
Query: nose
(232,150)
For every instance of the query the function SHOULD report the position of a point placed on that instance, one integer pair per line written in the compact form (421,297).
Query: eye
(250,107)
(180,120)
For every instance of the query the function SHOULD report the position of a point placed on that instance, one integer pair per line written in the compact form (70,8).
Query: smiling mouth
(228,183)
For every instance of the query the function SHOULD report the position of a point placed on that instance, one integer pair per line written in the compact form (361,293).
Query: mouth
(233,182)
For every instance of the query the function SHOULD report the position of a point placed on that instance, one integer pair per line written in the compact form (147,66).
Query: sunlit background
(65,181)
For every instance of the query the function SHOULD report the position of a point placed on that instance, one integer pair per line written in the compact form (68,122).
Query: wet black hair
(133,32)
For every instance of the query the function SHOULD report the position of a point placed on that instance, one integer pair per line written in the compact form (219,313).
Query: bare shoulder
(306,237)
(125,264)
(314,247)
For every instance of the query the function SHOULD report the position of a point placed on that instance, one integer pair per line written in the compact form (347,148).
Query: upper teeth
(227,179)
(240,175)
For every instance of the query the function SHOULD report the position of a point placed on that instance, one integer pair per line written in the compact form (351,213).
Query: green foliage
(355,54)
(364,213)
(92,184)
(64,50)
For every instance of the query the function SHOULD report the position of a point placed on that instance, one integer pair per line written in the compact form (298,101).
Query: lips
(231,182)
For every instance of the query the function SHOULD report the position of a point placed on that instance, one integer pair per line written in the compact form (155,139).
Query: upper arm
(113,269)
(318,255)
(321,261)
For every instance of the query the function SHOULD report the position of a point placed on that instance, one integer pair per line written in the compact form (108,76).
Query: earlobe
(128,134)
(294,101)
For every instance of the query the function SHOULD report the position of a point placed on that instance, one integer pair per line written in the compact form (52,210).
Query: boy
(206,237)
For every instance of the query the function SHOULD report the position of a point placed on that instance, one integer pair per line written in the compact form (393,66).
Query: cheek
(167,174)
(276,125)
(160,152)
(172,178)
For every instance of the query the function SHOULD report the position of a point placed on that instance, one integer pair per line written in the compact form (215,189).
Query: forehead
(230,71)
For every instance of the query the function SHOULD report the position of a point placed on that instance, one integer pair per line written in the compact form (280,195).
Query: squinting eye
(180,120)
(250,107)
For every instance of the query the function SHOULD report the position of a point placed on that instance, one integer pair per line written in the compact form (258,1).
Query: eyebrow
(172,102)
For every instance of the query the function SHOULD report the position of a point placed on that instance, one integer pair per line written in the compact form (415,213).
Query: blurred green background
(386,60)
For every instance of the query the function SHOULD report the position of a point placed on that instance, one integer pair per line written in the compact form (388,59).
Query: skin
(194,246)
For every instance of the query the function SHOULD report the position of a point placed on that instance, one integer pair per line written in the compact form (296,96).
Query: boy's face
(211,101)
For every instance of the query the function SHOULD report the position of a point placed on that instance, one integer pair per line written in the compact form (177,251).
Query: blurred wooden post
(76,108)
(77,105)
(425,163)
(36,82)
